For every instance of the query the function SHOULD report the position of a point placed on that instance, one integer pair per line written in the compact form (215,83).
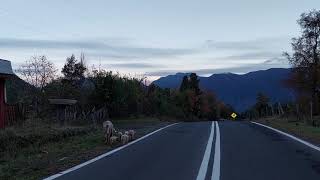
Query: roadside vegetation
(289,125)
(121,95)
(37,152)
(300,117)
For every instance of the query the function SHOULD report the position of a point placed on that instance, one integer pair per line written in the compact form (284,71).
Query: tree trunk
(311,113)
(315,79)
(297,111)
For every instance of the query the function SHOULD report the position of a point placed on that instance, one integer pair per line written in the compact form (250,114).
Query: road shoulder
(300,130)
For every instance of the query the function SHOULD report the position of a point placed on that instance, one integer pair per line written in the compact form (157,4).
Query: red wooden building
(5,72)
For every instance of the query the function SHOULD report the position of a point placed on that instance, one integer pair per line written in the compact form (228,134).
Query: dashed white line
(205,161)
(104,155)
(291,136)
(217,156)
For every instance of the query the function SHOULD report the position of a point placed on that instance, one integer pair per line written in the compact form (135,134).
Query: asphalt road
(205,151)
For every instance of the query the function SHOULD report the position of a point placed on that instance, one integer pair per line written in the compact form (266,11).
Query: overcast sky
(153,37)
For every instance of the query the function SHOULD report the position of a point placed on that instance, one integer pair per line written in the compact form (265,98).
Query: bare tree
(306,56)
(38,71)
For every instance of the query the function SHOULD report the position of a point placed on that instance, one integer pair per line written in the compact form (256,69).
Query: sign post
(234,115)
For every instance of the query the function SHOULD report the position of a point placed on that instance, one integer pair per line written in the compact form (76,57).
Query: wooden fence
(14,114)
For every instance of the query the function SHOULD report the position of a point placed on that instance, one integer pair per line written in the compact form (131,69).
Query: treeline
(122,96)
(305,76)
(264,108)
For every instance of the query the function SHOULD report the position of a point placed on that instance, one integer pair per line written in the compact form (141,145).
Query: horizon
(148,82)
(222,72)
(131,39)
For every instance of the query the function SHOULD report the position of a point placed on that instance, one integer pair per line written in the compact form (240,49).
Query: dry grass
(299,129)
(42,150)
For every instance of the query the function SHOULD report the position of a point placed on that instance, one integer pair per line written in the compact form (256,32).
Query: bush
(13,141)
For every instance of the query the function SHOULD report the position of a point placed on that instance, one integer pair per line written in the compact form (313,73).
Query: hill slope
(240,90)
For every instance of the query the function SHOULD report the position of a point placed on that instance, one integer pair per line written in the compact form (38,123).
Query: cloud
(276,60)
(268,50)
(122,53)
(253,56)
(111,48)
(122,48)
(235,69)
(250,67)
(135,65)
(255,44)
(49,44)
(232,45)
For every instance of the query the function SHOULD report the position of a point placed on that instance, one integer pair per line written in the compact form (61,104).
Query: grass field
(59,149)
(299,129)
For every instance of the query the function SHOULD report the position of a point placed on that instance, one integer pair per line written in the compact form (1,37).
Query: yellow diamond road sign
(233,115)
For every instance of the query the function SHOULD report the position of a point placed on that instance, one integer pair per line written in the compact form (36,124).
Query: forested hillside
(240,91)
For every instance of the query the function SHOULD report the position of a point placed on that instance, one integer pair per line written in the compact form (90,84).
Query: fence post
(272,111)
(311,112)
(297,110)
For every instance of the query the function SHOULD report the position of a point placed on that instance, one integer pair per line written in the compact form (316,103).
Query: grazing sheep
(119,134)
(107,125)
(131,134)
(108,130)
(113,139)
(124,139)
(127,133)
(107,138)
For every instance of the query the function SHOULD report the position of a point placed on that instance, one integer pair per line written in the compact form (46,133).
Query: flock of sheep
(112,136)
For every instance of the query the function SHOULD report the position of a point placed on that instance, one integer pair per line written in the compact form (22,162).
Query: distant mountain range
(240,90)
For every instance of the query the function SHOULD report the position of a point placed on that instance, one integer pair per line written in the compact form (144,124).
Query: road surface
(206,151)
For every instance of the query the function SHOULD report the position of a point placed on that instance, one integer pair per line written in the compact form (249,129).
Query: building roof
(5,67)
(62,101)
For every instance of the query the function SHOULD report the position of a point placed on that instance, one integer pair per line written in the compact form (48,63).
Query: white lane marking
(217,156)
(205,161)
(104,155)
(291,136)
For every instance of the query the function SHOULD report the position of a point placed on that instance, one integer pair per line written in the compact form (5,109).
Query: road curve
(223,151)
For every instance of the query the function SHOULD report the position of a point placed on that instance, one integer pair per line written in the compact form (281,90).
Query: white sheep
(107,125)
(119,134)
(125,139)
(113,139)
(131,134)
(108,130)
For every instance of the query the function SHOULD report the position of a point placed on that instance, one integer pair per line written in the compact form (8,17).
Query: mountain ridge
(240,90)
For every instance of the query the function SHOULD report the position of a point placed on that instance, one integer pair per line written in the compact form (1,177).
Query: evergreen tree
(74,70)
(185,84)
(194,83)
(262,103)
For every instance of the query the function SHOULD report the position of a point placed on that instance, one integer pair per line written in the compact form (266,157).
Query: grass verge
(38,160)
(298,129)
